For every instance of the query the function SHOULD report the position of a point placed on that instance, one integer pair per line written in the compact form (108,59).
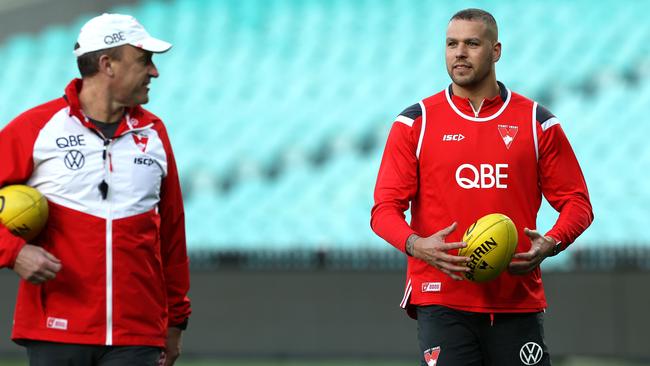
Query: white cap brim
(152,44)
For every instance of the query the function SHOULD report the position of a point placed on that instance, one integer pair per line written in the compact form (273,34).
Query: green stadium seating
(278,110)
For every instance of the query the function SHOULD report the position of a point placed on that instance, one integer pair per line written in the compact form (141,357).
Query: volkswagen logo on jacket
(74,160)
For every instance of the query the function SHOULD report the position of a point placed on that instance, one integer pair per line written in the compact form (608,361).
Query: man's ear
(105,65)
(496,52)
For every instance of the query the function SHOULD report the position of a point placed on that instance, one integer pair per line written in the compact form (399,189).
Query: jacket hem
(57,337)
(527,308)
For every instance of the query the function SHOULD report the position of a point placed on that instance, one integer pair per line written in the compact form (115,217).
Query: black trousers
(449,337)
(62,354)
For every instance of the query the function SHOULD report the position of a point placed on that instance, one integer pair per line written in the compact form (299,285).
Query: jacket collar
(488,107)
(132,119)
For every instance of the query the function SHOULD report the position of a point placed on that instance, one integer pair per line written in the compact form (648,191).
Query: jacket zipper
(104,189)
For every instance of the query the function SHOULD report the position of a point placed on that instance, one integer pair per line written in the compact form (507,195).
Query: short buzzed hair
(88,63)
(481,15)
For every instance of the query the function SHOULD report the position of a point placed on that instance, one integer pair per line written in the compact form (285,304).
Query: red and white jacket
(450,163)
(124,276)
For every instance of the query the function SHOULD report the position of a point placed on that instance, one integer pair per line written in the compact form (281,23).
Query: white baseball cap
(113,30)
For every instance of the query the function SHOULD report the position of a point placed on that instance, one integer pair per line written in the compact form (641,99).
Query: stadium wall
(31,16)
(314,314)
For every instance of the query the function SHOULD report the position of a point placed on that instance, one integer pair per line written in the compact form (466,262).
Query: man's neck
(476,94)
(97,104)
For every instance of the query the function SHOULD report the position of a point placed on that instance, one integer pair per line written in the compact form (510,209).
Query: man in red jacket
(473,149)
(106,281)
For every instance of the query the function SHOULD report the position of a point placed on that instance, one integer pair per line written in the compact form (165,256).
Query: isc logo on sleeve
(484,176)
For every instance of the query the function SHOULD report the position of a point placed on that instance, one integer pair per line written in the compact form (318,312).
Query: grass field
(573,361)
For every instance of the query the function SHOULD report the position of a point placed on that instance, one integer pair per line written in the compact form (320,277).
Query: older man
(106,282)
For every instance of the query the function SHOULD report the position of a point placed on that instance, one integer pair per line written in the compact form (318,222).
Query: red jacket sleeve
(172,238)
(397,184)
(562,183)
(16,165)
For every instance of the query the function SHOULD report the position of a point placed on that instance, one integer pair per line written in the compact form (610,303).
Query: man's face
(133,72)
(470,52)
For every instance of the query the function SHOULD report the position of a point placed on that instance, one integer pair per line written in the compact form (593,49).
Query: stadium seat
(279,110)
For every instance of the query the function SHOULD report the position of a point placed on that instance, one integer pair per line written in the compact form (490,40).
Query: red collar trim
(133,118)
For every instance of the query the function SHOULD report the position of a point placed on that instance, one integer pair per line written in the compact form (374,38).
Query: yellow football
(491,242)
(23,210)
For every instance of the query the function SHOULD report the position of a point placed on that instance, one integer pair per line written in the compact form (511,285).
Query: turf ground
(573,361)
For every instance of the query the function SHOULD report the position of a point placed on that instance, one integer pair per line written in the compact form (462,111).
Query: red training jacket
(450,163)
(124,276)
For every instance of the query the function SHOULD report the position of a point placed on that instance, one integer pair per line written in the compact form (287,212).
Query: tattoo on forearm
(410,242)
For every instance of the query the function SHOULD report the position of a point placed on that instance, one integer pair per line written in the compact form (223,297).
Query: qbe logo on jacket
(484,176)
